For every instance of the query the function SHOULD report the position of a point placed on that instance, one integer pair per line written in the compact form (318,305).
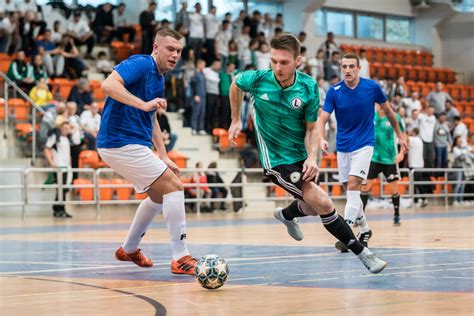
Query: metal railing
(34,108)
(95,175)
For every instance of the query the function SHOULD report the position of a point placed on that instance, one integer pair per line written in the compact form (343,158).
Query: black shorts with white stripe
(288,177)
(390,172)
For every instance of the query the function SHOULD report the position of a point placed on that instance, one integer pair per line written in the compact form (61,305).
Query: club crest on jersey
(295,177)
(296,103)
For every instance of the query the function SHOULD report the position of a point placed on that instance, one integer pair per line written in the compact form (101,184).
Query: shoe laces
(295,221)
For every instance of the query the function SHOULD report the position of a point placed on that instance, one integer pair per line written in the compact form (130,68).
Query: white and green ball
(211,272)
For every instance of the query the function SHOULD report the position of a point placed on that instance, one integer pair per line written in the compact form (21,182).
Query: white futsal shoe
(371,261)
(292,226)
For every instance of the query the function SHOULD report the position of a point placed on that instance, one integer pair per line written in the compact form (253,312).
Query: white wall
(395,7)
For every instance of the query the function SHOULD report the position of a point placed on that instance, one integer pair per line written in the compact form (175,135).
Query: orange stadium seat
(90,158)
(403,187)
(422,73)
(418,58)
(471,93)
(412,72)
(2,109)
(62,86)
(376,187)
(85,194)
(105,193)
(389,54)
(454,90)
(280,192)
(400,56)
(410,57)
(123,194)
(401,70)
(96,90)
(179,159)
(21,108)
(378,54)
(391,70)
(465,93)
(336,190)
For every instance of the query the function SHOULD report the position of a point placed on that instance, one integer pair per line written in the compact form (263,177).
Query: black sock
(291,211)
(364,196)
(396,204)
(338,227)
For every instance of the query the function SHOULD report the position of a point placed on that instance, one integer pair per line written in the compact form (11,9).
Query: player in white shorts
(129,126)
(353,100)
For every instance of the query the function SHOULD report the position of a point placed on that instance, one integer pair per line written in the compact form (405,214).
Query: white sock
(173,211)
(146,211)
(361,220)
(351,211)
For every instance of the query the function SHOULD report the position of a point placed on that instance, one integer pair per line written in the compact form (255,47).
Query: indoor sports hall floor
(67,267)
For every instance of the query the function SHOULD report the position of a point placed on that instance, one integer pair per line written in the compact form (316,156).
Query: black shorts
(390,172)
(288,177)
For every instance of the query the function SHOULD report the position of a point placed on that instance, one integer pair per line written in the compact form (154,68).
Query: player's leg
(320,203)
(392,175)
(168,189)
(365,193)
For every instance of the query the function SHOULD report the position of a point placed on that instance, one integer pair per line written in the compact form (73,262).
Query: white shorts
(136,163)
(356,163)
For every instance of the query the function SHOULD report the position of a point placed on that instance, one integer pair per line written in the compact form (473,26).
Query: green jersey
(385,148)
(280,114)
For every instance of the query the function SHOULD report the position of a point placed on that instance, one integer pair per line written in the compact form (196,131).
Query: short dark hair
(457,118)
(416,131)
(286,41)
(163,32)
(351,56)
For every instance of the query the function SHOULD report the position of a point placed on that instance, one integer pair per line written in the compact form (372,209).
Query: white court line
(57,270)
(385,274)
(54,263)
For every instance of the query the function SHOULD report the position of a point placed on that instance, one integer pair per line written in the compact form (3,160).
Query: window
(369,27)
(164,10)
(340,23)
(224,6)
(399,30)
(265,7)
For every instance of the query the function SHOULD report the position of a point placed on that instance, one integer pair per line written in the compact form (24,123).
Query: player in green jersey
(385,160)
(285,112)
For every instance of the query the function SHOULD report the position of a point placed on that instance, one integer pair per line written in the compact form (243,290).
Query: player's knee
(326,205)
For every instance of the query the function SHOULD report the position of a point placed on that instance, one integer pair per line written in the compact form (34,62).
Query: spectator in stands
(412,103)
(250,53)
(212,95)
(364,64)
(217,192)
(332,66)
(222,40)
(47,122)
(58,155)
(77,135)
(148,25)
(329,46)
(396,102)
(427,123)
(437,98)
(27,6)
(169,139)
(389,87)
(52,58)
(211,26)
(196,31)
(29,28)
(123,26)
(203,191)
(37,69)
(233,53)
(460,129)
(278,23)
(451,113)
(189,69)
(401,87)
(263,57)
(302,37)
(41,95)
(443,141)
(12,38)
(317,65)
(198,91)
(411,121)
(57,33)
(165,24)
(242,41)
(73,64)
(79,30)
(254,23)
(267,25)
(82,95)
(182,16)
(416,161)
(462,160)
(9,6)
(90,122)
(20,72)
(103,64)
(103,25)
(238,23)
(225,80)
(304,61)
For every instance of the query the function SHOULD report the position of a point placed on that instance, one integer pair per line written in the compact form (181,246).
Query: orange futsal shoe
(137,257)
(185,265)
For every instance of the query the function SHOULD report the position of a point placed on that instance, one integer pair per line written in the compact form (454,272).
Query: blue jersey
(355,110)
(123,124)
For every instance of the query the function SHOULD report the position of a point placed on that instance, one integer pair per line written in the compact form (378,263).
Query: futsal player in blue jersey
(353,101)
(129,126)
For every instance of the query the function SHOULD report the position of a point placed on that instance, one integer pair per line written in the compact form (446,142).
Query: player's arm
(394,122)
(157,140)
(310,166)
(321,124)
(236,97)
(114,87)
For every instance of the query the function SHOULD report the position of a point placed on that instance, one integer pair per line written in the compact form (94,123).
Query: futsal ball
(211,272)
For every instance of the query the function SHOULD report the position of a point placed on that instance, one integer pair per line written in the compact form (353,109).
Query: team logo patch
(295,177)
(296,103)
